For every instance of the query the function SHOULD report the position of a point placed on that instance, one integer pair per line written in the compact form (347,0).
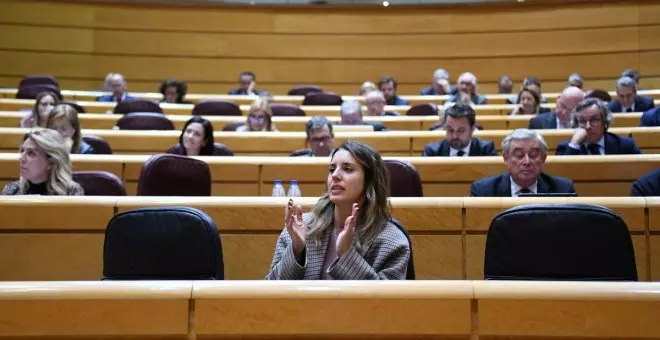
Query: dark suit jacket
(642,103)
(477,148)
(614,145)
(240,91)
(110,98)
(430,91)
(476,98)
(546,120)
(647,185)
(378,126)
(650,118)
(398,101)
(500,186)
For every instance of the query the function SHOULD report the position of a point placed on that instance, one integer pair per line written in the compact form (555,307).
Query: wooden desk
(406,123)
(61,238)
(391,143)
(441,176)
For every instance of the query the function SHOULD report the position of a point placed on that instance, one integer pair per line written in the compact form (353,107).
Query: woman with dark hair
(174,91)
(44,102)
(529,103)
(196,139)
(349,234)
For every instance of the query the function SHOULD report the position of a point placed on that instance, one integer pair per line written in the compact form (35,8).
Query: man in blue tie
(592,118)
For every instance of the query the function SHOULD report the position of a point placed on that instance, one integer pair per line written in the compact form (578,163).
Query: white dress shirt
(515,188)
(562,125)
(454,152)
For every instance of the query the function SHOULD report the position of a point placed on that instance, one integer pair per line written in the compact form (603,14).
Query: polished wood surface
(392,143)
(440,176)
(406,123)
(448,234)
(468,309)
(338,49)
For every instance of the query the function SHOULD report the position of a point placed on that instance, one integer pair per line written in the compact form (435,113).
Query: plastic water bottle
(278,189)
(294,189)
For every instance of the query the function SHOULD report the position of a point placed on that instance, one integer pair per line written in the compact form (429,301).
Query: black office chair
(559,242)
(162,243)
(410,271)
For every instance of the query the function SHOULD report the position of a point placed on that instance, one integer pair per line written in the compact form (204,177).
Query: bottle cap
(278,181)
(294,182)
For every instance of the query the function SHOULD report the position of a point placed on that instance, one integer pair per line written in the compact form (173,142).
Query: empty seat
(99,183)
(559,242)
(39,79)
(144,121)
(600,94)
(320,98)
(283,109)
(101,147)
(32,91)
(216,108)
(137,105)
(304,90)
(233,126)
(75,105)
(162,243)
(174,175)
(404,179)
(426,109)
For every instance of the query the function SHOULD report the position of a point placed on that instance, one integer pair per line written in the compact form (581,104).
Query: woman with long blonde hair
(349,234)
(64,119)
(260,117)
(45,167)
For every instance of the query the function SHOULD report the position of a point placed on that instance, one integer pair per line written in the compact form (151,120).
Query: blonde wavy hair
(261,104)
(64,111)
(53,145)
(375,208)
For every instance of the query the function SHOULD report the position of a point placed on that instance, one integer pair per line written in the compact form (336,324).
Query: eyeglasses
(592,122)
(256,117)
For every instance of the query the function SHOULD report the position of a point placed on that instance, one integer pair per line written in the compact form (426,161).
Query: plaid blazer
(386,258)
(14,188)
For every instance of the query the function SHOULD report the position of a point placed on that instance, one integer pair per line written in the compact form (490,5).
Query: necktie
(629,109)
(593,148)
(460,153)
(524,191)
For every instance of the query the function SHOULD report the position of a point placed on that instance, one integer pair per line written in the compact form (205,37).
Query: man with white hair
(467,91)
(115,83)
(440,85)
(561,117)
(628,100)
(576,80)
(524,154)
(351,114)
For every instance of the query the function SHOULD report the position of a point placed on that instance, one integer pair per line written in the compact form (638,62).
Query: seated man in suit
(524,153)
(561,118)
(592,118)
(459,124)
(647,185)
(375,103)
(650,117)
(467,91)
(351,114)
(320,138)
(505,85)
(115,83)
(388,86)
(247,80)
(629,101)
(440,85)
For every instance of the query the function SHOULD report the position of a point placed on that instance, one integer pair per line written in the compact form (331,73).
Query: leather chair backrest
(303,90)
(162,243)
(75,105)
(32,91)
(426,109)
(600,94)
(559,242)
(144,121)
(137,105)
(220,149)
(321,98)
(404,179)
(38,79)
(99,183)
(101,147)
(233,126)
(216,108)
(174,175)
(284,109)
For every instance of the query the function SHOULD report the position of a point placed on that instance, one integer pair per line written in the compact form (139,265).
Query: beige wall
(335,48)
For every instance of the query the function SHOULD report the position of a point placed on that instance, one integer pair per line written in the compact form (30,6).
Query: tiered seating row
(61,238)
(396,310)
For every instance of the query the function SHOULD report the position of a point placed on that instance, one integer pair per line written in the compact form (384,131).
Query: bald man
(561,117)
